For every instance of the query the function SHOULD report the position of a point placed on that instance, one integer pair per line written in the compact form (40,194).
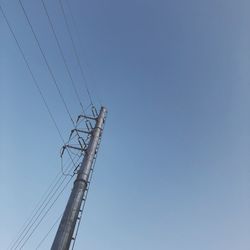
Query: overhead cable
(49,69)
(49,231)
(49,194)
(46,212)
(46,61)
(75,52)
(31,73)
(62,54)
(80,41)
(34,79)
(41,212)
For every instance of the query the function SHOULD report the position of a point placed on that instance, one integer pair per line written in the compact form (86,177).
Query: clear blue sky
(174,166)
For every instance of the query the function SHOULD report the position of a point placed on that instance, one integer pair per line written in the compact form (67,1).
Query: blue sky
(173,169)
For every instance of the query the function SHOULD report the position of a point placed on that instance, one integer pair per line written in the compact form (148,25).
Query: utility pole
(70,216)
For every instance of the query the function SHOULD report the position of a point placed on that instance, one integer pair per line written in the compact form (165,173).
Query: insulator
(62,150)
(88,125)
(80,140)
(94,111)
(71,133)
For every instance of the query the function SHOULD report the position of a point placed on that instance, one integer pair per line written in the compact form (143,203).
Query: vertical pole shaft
(67,225)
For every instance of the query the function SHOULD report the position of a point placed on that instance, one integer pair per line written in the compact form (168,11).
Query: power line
(36,223)
(49,194)
(49,69)
(34,211)
(47,234)
(75,52)
(31,73)
(84,51)
(33,77)
(40,211)
(35,80)
(62,54)
(46,213)
(26,237)
(46,62)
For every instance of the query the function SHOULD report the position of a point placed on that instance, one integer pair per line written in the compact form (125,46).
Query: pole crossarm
(86,117)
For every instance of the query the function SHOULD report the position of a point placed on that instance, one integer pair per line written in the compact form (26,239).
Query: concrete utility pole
(68,222)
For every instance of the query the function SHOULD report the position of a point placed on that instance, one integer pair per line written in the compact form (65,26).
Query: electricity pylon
(64,235)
